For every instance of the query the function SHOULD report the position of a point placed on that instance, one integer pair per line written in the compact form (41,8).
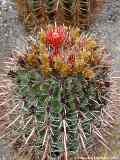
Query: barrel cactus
(69,12)
(59,94)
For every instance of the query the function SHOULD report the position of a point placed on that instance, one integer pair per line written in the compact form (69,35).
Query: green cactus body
(59,105)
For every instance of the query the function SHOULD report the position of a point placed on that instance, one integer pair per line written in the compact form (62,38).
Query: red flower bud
(55,37)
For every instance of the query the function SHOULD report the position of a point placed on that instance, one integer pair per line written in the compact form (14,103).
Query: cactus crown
(63,52)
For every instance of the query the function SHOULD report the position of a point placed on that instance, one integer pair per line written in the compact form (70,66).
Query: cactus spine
(63,94)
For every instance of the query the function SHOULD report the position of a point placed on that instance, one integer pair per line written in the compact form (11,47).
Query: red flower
(55,37)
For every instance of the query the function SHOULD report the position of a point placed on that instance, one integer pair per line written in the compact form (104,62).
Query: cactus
(60,94)
(70,12)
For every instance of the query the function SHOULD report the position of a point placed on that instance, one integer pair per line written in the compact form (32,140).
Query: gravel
(11,37)
(5,152)
(11,31)
(107,28)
